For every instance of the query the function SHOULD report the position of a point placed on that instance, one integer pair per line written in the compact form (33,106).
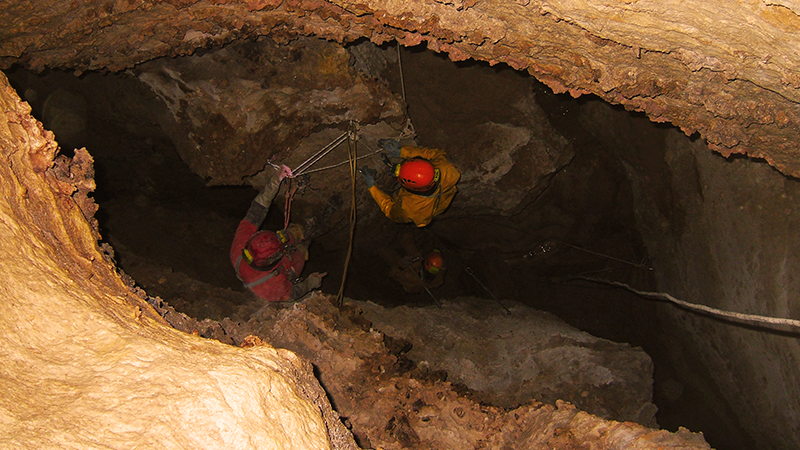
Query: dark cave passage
(171,232)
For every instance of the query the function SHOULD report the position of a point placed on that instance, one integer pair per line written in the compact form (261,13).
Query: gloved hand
(286,171)
(391,146)
(270,171)
(369,176)
(315,279)
(302,288)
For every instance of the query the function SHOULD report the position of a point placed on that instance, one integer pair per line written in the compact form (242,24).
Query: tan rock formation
(87,363)
(233,109)
(390,404)
(727,70)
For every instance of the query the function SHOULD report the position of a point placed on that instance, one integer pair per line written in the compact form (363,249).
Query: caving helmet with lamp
(417,175)
(265,249)
(434,262)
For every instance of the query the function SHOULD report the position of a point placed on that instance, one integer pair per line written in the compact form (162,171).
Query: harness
(437,195)
(276,271)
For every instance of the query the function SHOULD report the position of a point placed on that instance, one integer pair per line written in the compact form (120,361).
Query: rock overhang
(728,73)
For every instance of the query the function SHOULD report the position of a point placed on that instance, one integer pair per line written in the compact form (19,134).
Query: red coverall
(277,285)
(280,284)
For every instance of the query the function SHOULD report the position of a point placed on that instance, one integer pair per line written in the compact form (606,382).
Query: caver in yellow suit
(425,192)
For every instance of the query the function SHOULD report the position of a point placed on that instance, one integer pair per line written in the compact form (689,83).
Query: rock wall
(391,402)
(88,364)
(723,233)
(232,109)
(728,70)
(729,73)
(513,354)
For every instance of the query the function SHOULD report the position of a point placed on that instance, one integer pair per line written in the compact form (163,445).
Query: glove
(267,175)
(315,279)
(369,176)
(284,172)
(391,146)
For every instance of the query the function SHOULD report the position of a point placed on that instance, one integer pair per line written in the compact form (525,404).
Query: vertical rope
(402,81)
(409,129)
(352,151)
(287,207)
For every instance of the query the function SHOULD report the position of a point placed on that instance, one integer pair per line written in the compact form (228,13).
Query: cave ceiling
(725,70)
(232,109)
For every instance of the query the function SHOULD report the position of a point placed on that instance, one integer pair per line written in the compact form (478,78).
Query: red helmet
(433,262)
(417,174)
(264,249)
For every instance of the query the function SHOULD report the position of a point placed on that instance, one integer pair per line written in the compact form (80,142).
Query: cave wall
(232,109)
(728,70)
(87,363)
(392,402)
(723,233)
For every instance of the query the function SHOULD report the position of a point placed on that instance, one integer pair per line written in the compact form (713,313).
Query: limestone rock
(728,71)
(233,109)
(515,356)
(389,402)
(86,362)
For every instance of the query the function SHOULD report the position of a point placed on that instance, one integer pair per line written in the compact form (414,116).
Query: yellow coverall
(405,206)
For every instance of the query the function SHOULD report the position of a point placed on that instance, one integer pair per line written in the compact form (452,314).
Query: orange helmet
(264,249)
(433,262)
(417,175)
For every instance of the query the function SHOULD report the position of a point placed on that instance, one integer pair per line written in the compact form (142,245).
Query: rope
(320,154)
(341,163)
(409,130)
(752,318)
(305,165)
(438,303)
(291,188)
(469,271)
(402,81)
(421,277)
(640,266)
(352,150)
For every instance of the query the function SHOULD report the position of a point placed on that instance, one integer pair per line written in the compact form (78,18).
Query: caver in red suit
(269,263)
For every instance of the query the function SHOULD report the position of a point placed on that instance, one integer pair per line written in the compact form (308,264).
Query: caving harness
(273,265)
